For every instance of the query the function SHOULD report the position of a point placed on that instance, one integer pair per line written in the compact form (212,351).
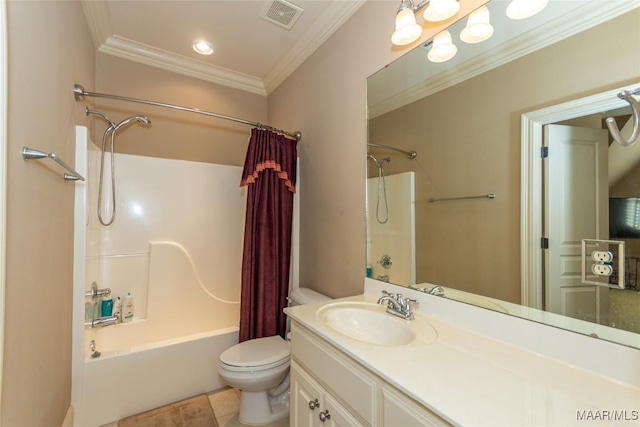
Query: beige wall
(468,140)
(174,134)
(326,99)
(49,49)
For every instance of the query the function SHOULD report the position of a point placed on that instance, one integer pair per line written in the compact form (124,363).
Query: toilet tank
(301,296)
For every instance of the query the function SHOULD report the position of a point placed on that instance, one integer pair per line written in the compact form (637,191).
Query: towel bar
(31,154)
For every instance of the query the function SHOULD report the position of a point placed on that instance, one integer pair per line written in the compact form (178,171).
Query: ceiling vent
(282,13)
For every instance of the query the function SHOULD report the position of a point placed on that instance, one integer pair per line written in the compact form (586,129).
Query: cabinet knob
(324,416)
(313,404)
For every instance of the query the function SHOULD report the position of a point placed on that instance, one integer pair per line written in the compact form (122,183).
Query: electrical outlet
(602,269)
(602,256)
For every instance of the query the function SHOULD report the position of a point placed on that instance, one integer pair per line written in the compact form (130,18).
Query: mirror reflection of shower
(110,133)
(382,218)
(382,186)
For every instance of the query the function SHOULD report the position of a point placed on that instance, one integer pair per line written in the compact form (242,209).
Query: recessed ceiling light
(202,47)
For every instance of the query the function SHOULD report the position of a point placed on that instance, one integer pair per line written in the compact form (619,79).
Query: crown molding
(99,21)
(336,14)
(96,13)
(154,57)
(559,29)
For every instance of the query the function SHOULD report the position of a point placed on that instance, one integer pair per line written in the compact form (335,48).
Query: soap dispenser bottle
(127,308)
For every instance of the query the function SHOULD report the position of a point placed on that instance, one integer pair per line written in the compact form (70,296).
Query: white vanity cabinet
(312,405)
(328,388)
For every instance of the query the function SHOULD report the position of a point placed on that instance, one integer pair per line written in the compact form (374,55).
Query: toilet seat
(256,355)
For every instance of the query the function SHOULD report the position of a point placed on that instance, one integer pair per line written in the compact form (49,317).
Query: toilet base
(256,410)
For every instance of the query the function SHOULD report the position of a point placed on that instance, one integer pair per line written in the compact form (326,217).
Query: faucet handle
(391,294)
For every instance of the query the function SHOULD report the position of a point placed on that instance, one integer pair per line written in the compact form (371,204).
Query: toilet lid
(256,352)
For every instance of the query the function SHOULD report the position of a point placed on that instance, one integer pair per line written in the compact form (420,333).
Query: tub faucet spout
(102,321)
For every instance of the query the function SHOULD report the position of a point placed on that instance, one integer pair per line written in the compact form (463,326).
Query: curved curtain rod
(410,154)
(627,95)
(79,94)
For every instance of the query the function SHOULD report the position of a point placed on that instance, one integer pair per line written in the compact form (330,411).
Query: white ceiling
(251,53)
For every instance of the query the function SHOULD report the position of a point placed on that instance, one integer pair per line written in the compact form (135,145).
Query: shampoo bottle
(106,306)
(117,309)
(127,308)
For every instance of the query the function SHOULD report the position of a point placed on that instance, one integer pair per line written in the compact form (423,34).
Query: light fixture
(442,48)
(478,28)
(441,10)
(406,30)
(520,9)
(202,47)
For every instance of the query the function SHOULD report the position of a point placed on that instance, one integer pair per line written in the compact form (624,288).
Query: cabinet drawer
(345,379)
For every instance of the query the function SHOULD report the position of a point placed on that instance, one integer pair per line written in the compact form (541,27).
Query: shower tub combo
(186,294)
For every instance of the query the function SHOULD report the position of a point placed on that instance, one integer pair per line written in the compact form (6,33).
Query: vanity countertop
(471,379)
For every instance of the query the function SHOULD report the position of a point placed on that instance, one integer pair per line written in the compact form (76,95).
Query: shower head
(140,119)
(379,162)
(101,114)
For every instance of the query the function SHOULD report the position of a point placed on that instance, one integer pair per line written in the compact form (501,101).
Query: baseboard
(68,419)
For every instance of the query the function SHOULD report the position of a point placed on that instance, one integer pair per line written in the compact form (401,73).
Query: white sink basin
(369,323)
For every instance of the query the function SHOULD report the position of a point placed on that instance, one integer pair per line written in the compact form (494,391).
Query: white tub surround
(476,372)
(178,250)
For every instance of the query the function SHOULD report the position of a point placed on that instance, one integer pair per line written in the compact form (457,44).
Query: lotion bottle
(127,308)
(117,309)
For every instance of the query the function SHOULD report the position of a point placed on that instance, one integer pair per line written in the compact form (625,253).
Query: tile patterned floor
(226,405)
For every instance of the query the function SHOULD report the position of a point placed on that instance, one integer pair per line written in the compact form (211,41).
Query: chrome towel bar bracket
(31,154)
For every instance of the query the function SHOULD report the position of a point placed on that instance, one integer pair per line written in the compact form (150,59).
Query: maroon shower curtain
(270,175)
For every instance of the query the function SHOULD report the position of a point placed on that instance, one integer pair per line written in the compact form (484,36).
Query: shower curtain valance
(270,151)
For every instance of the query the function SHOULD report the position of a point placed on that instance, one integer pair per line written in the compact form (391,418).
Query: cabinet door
(337,415)
(305,392)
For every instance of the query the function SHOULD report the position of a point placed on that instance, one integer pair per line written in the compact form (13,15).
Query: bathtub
(170,354)
(124,382)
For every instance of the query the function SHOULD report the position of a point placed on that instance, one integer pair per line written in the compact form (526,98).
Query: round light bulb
(478,28)
(521,9)
(202,47)
(407,31)
(441,10)
(442,48)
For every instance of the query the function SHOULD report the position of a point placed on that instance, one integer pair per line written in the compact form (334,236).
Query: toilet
(260,368)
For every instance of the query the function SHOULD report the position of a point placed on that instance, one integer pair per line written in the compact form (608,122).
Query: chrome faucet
(397,305)
(102,321)
(95,292)
(436,290)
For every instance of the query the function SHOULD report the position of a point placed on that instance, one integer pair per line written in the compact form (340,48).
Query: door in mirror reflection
(575,208)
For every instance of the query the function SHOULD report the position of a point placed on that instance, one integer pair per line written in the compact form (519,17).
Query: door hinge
(544,243)
(544,152)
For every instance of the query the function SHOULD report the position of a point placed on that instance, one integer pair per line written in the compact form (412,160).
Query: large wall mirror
(449,186)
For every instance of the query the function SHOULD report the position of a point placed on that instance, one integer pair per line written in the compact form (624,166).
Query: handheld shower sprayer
(112,129)
(140,119)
